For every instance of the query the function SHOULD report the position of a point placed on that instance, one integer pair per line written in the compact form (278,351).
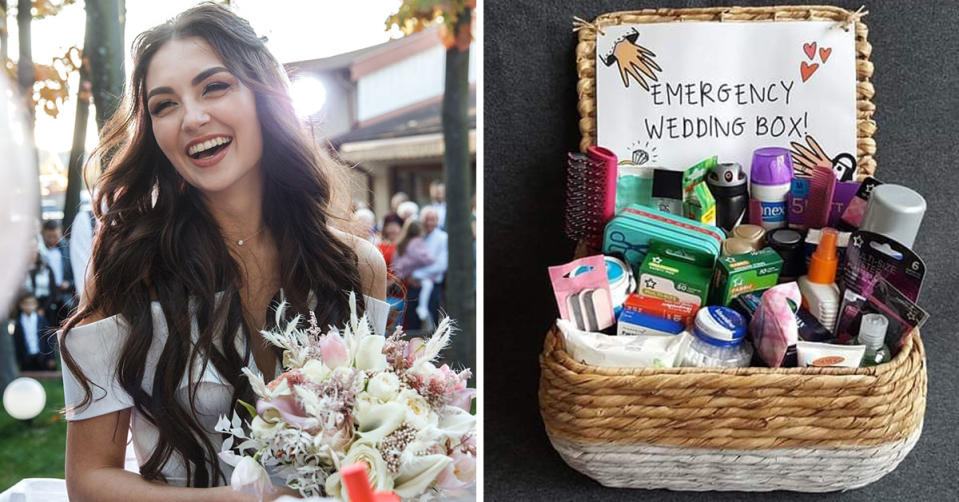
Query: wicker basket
(748,429)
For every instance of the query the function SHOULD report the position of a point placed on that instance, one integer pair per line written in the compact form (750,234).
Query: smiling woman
(213,204)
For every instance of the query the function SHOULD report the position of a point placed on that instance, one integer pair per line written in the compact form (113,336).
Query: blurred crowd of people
(46,296)
(414,244)
(411,238)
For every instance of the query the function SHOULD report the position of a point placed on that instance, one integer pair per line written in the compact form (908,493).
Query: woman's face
(204,118)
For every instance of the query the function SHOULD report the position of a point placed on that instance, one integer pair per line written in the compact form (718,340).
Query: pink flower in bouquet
(452,379)
(460,474)
(333,350)
(289,410)
(292,377)
(445,381)
(463,398)
(412,347)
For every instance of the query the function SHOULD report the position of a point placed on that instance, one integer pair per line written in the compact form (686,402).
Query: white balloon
(19,192)
(24,398)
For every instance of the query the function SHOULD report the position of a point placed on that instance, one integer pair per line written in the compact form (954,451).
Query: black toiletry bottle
(790,244)
(727,183)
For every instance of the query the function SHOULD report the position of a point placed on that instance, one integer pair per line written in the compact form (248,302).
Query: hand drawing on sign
(806,159)
(633,60)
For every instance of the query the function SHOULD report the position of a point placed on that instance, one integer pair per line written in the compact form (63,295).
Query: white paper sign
(671,94)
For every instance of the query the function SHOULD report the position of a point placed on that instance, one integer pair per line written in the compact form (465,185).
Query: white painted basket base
(696,469)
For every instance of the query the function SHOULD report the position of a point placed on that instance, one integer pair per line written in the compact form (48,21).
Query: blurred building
(382,113)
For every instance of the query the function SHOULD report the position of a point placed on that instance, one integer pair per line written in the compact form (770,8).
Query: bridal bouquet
(349,396)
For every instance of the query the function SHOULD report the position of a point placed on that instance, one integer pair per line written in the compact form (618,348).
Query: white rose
(384,386)
(417,473)
(379,475)
(315,370)
(419,414)
(369,354)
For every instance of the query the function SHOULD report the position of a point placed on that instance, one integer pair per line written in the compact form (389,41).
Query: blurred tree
(25,73)
(101,75)
(456,32)
(3,34)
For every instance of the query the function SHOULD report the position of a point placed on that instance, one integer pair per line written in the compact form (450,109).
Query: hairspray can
(727,183)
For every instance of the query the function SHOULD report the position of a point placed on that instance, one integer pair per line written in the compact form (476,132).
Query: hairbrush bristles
(822,184)
(585,199)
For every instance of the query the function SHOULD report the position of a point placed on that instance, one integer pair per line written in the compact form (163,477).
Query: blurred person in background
(81,246)
(366,224)
(395,201)
(42,283)
(412,253)
(56,252)
(433,274)
(31,337)
(407,210)
(390,237)
(438,201)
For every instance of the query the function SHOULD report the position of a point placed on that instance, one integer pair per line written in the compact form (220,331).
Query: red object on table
(358,487)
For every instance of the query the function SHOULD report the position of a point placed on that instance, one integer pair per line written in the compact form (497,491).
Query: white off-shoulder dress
(96,348)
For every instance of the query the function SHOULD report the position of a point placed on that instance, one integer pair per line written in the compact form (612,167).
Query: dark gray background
(530,124)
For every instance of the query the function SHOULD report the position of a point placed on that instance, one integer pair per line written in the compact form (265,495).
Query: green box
(698,201)
(744,273)
(675,274)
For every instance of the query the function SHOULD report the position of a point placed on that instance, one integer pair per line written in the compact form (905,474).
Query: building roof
(424,118)
(346,60)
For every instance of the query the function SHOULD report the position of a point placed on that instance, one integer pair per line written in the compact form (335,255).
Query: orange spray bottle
(820,295)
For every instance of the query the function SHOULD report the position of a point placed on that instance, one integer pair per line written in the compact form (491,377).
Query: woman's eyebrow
(200,77)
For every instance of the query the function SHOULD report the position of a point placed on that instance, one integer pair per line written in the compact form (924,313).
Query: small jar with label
(718,340)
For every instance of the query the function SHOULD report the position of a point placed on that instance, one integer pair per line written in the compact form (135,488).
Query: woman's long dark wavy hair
(158,239)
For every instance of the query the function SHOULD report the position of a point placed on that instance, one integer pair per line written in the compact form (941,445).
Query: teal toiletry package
(634,185)
(629,234)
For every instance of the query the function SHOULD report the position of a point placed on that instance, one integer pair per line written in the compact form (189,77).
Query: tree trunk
(106,19)
(102,73)
(460,277)
(25,73)
(4,55)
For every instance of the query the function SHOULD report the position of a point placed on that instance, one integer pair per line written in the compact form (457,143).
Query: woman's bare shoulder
(371,263)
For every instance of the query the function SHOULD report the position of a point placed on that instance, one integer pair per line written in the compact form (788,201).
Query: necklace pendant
(239,242)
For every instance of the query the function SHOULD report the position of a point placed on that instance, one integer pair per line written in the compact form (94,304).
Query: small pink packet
(582,293)
(774,327)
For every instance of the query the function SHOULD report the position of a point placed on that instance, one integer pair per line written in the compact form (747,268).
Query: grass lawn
(37,450)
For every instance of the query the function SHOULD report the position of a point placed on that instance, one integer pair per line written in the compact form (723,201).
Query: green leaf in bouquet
(248,407)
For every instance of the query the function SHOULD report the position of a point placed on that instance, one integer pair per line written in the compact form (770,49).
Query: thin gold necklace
(240,242)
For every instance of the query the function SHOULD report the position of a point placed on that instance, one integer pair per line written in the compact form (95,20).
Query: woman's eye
(160,107)
(216,86)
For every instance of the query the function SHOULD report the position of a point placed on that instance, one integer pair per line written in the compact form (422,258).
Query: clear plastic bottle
(718,340)
(872,334)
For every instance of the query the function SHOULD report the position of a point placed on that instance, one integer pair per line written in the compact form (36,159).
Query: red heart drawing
(824,54)
(806,70)
(809,49)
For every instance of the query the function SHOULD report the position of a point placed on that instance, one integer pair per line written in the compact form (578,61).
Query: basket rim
(555,347)
(837,13)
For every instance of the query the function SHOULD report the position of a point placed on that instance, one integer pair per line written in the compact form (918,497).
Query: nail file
(574,307)
(601,305)
(589,313)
